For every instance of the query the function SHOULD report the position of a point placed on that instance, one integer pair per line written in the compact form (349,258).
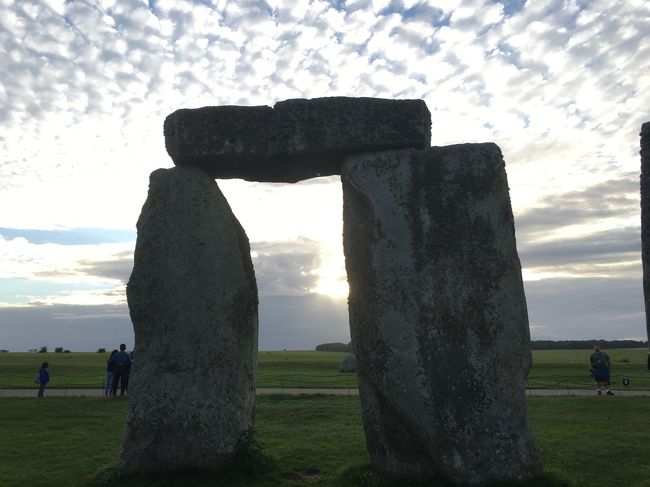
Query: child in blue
(43,378)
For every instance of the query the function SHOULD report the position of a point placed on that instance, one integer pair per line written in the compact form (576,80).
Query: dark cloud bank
(291,322)
(586,308)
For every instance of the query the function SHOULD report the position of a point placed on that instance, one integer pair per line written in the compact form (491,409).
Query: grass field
(312,440)
(568,368)
(309,369)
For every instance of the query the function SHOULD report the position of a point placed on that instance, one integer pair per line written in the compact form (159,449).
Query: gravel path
(352,392)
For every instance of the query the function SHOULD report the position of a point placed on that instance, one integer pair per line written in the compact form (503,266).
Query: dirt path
(352,392)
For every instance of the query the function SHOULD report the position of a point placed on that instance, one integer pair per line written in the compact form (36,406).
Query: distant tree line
(334,347)
(534,345)
(584,344)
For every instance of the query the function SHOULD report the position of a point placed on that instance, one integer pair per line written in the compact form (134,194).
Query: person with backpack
(599,365)
(121,364)
(42,378)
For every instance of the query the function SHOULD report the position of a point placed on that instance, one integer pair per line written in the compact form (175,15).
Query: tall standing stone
(438,314)
(645,221)
(193,302)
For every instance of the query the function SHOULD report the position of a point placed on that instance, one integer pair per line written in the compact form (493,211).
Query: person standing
(43,378)
(110,375)
(121,363)
(599,365)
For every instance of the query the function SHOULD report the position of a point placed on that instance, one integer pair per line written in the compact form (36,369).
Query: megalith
(193,301)
(438,314)
(645,221)
(296,139)
(437,309)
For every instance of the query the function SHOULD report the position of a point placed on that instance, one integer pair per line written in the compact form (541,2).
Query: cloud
(78,328)
(118,269)
(292,322)
(592,231)
(562,87)
(286,268)
(583,309)
(302,322)
(616,199)
(619,249)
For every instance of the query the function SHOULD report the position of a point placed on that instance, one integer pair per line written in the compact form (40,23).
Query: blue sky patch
(74,236)
(511,6)
(20,290)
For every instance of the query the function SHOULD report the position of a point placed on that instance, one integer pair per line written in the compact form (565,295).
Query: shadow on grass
(189,478)
(365,476)
(250,466)
(359,476)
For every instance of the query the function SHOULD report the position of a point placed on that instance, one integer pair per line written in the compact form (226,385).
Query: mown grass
(312,440)
(307,369)
(568,368)
(310,369)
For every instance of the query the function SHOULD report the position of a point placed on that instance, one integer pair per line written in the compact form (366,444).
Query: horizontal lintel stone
(296,139)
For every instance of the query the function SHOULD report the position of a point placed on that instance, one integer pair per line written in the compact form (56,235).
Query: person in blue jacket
(121,363)
(43,378)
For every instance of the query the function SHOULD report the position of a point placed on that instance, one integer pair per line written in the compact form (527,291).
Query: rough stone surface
(348,364)
(193,302)
(438,314)
(645,221)
(296,139)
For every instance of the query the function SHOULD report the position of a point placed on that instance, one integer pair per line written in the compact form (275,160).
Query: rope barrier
(307,381)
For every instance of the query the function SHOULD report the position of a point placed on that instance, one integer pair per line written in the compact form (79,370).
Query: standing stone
(348,364)
(645,221)
(193,302)
(438,314)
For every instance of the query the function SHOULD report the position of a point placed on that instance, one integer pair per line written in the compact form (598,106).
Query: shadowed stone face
(437,314)
(294,140)
(645,220)
(193,302)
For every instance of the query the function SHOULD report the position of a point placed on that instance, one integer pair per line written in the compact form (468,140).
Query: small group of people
(118,369)
(599,365)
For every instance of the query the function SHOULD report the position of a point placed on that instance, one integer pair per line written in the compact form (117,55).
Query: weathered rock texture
(294,140)
(348,364)
(645,221)
(193,302)
(438,314)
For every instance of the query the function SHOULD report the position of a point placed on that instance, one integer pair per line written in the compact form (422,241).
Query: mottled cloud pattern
(562,86)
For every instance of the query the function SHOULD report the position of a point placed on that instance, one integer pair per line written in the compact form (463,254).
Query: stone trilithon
(437,309)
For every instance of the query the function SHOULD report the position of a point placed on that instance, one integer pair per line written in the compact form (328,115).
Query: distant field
(306,369)
(310,369)
(568,368)
(313,440)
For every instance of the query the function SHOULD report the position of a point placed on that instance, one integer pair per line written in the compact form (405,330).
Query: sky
(562,86)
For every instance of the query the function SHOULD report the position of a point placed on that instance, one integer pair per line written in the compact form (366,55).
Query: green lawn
(312,440)
(568,368)
(310,369)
